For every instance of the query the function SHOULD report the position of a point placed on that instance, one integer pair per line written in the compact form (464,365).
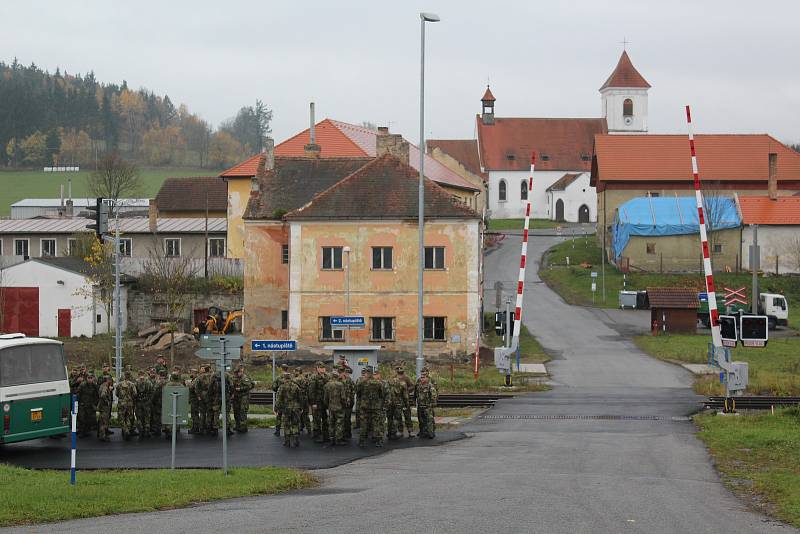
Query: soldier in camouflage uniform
(194,402)
(155,403)
(88,397)
(144,394)
(302,382)
(350,391)
(216,403)
(288,402)
(106,399)
(371,410)
(334,396)
(276,384)
(202,389)
(242,384)
(426,395)
(359,389)
(74,380)
(126,399)
(316,397)
(105,373)
(398,398)
(161,365)
(406,408)
(387,398)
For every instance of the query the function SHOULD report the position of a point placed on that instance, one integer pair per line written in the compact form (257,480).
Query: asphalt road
(609,449)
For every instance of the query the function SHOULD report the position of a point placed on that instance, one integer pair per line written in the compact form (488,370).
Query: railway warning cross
(732,296)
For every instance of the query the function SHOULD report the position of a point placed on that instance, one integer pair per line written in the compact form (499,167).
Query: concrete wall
(238,196)
(478,202)
(514,207)
(144,310)
(74,292)
(313,293)
(781,243)
(579,193)
(681,253)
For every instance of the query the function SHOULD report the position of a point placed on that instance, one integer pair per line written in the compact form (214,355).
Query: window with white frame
(72,245)
(331,258)
(382,328)
(381,258)
(172,247)
(125,247)
(22,247)
(216,247)
(48,247)
(434,257)
(501,191)
(284,254)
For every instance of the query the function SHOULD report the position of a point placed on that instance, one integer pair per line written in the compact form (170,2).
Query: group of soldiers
(382,407)
(139,400)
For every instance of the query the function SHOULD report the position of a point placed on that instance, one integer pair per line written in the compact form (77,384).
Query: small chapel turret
(624,98)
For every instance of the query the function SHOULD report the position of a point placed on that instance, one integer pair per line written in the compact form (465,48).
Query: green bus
(34,389)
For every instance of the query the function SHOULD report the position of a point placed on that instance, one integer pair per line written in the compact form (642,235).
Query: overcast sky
(736,62)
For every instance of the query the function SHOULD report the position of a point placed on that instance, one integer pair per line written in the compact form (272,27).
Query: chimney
(255,181)
(69,210)
(62,196)
(312,149)
(269,150)
(772,183)
(392,144)
(383,130)
(152,216)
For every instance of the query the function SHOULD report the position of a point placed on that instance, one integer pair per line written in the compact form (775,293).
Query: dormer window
(545,157)
(510,156)
(585,157)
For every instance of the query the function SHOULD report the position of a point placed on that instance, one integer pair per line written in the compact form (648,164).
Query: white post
(224,410)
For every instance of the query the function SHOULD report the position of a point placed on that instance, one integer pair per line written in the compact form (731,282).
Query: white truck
(772,305)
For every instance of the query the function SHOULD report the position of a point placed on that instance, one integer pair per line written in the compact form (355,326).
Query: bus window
(30,364)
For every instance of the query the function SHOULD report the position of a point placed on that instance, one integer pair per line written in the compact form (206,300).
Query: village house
(778,221)
(334,139)
(337,236)
(32,208)
(194,197)
(461,156)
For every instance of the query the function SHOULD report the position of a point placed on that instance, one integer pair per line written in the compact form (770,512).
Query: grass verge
(759,458)
(516,224)
(773,370)
(46,496)
(530,349)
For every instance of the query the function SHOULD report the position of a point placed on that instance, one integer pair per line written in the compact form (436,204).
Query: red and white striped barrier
(523,257)
(716,338)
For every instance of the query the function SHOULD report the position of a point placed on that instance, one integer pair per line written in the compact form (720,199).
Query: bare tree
(168,278)
(716,202)
(115,178)
(793,250)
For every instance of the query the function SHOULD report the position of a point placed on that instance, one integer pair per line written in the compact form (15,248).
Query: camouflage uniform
(75,380)
(302,382)
(288,402)
(426,395)
(202,390)
(350,391)
(386,406)
(276,384)
(126,399)
(194,403)
(409,384)
(144,394)
(398,398)
(316,397)
(334,396)
(242,384)
(106,399)
(88,397)
(155,403)
(359,389)
(216,403)
(371,411)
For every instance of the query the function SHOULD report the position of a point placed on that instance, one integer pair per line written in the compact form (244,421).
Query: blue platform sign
(345,321)
(703,297)
(273,344)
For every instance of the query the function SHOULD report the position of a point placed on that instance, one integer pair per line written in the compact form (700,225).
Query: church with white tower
(564,146)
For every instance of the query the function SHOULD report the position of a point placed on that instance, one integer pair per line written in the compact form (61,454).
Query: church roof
(723,158)
(488,96)
(625,75)
(560,144)
(564,182)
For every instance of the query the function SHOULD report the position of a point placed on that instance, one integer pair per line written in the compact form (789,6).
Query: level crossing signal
(754,330)
(500,323)
(99,216)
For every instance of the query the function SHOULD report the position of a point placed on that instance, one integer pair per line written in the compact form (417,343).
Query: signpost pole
(224,410)
(755,261)
(74,414)
(273,380)
(174,426)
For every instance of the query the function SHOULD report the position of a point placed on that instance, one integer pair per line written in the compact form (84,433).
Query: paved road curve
(609,459)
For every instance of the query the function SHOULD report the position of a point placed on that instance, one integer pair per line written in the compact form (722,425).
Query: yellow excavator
(219,322)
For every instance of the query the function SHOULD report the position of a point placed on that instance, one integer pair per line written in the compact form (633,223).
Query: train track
(448,400)
(754,403)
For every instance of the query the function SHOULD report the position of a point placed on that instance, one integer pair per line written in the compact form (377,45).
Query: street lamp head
(346,250)
(429,17)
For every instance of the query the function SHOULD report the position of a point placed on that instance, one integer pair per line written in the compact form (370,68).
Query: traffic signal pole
(117,299)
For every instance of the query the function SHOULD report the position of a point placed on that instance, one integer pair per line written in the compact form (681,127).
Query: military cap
(400,370)
(298,370)
(285,366)
(367,369)
(320,363)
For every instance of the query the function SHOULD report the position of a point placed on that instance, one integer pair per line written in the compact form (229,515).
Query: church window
(523,190)
(627,108)
(502,191)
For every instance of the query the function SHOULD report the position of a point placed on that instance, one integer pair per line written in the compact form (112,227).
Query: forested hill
(70,119)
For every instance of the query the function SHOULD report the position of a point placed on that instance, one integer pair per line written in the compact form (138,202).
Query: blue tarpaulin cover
(660,216)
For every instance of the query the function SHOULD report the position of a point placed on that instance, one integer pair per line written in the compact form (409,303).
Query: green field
(773,370)
(574,283)
(759,458)
(517,224)
(46,496)
(16,185)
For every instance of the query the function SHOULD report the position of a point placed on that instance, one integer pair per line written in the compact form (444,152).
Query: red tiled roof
(560,144)
(384,188)
(762,210)
(342,140)
(625,75)
(564,182)
(652,157)
(488,95)
(189,194)
(673,297)
(465,151)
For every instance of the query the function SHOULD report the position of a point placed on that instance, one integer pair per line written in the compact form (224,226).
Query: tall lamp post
(424,17)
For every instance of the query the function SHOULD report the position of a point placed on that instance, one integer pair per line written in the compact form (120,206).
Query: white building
(30,208)
(51,297)
(563,146)
(778,221)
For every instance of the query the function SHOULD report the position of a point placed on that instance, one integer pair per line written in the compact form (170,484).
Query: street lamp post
(424,17)
(346,251)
